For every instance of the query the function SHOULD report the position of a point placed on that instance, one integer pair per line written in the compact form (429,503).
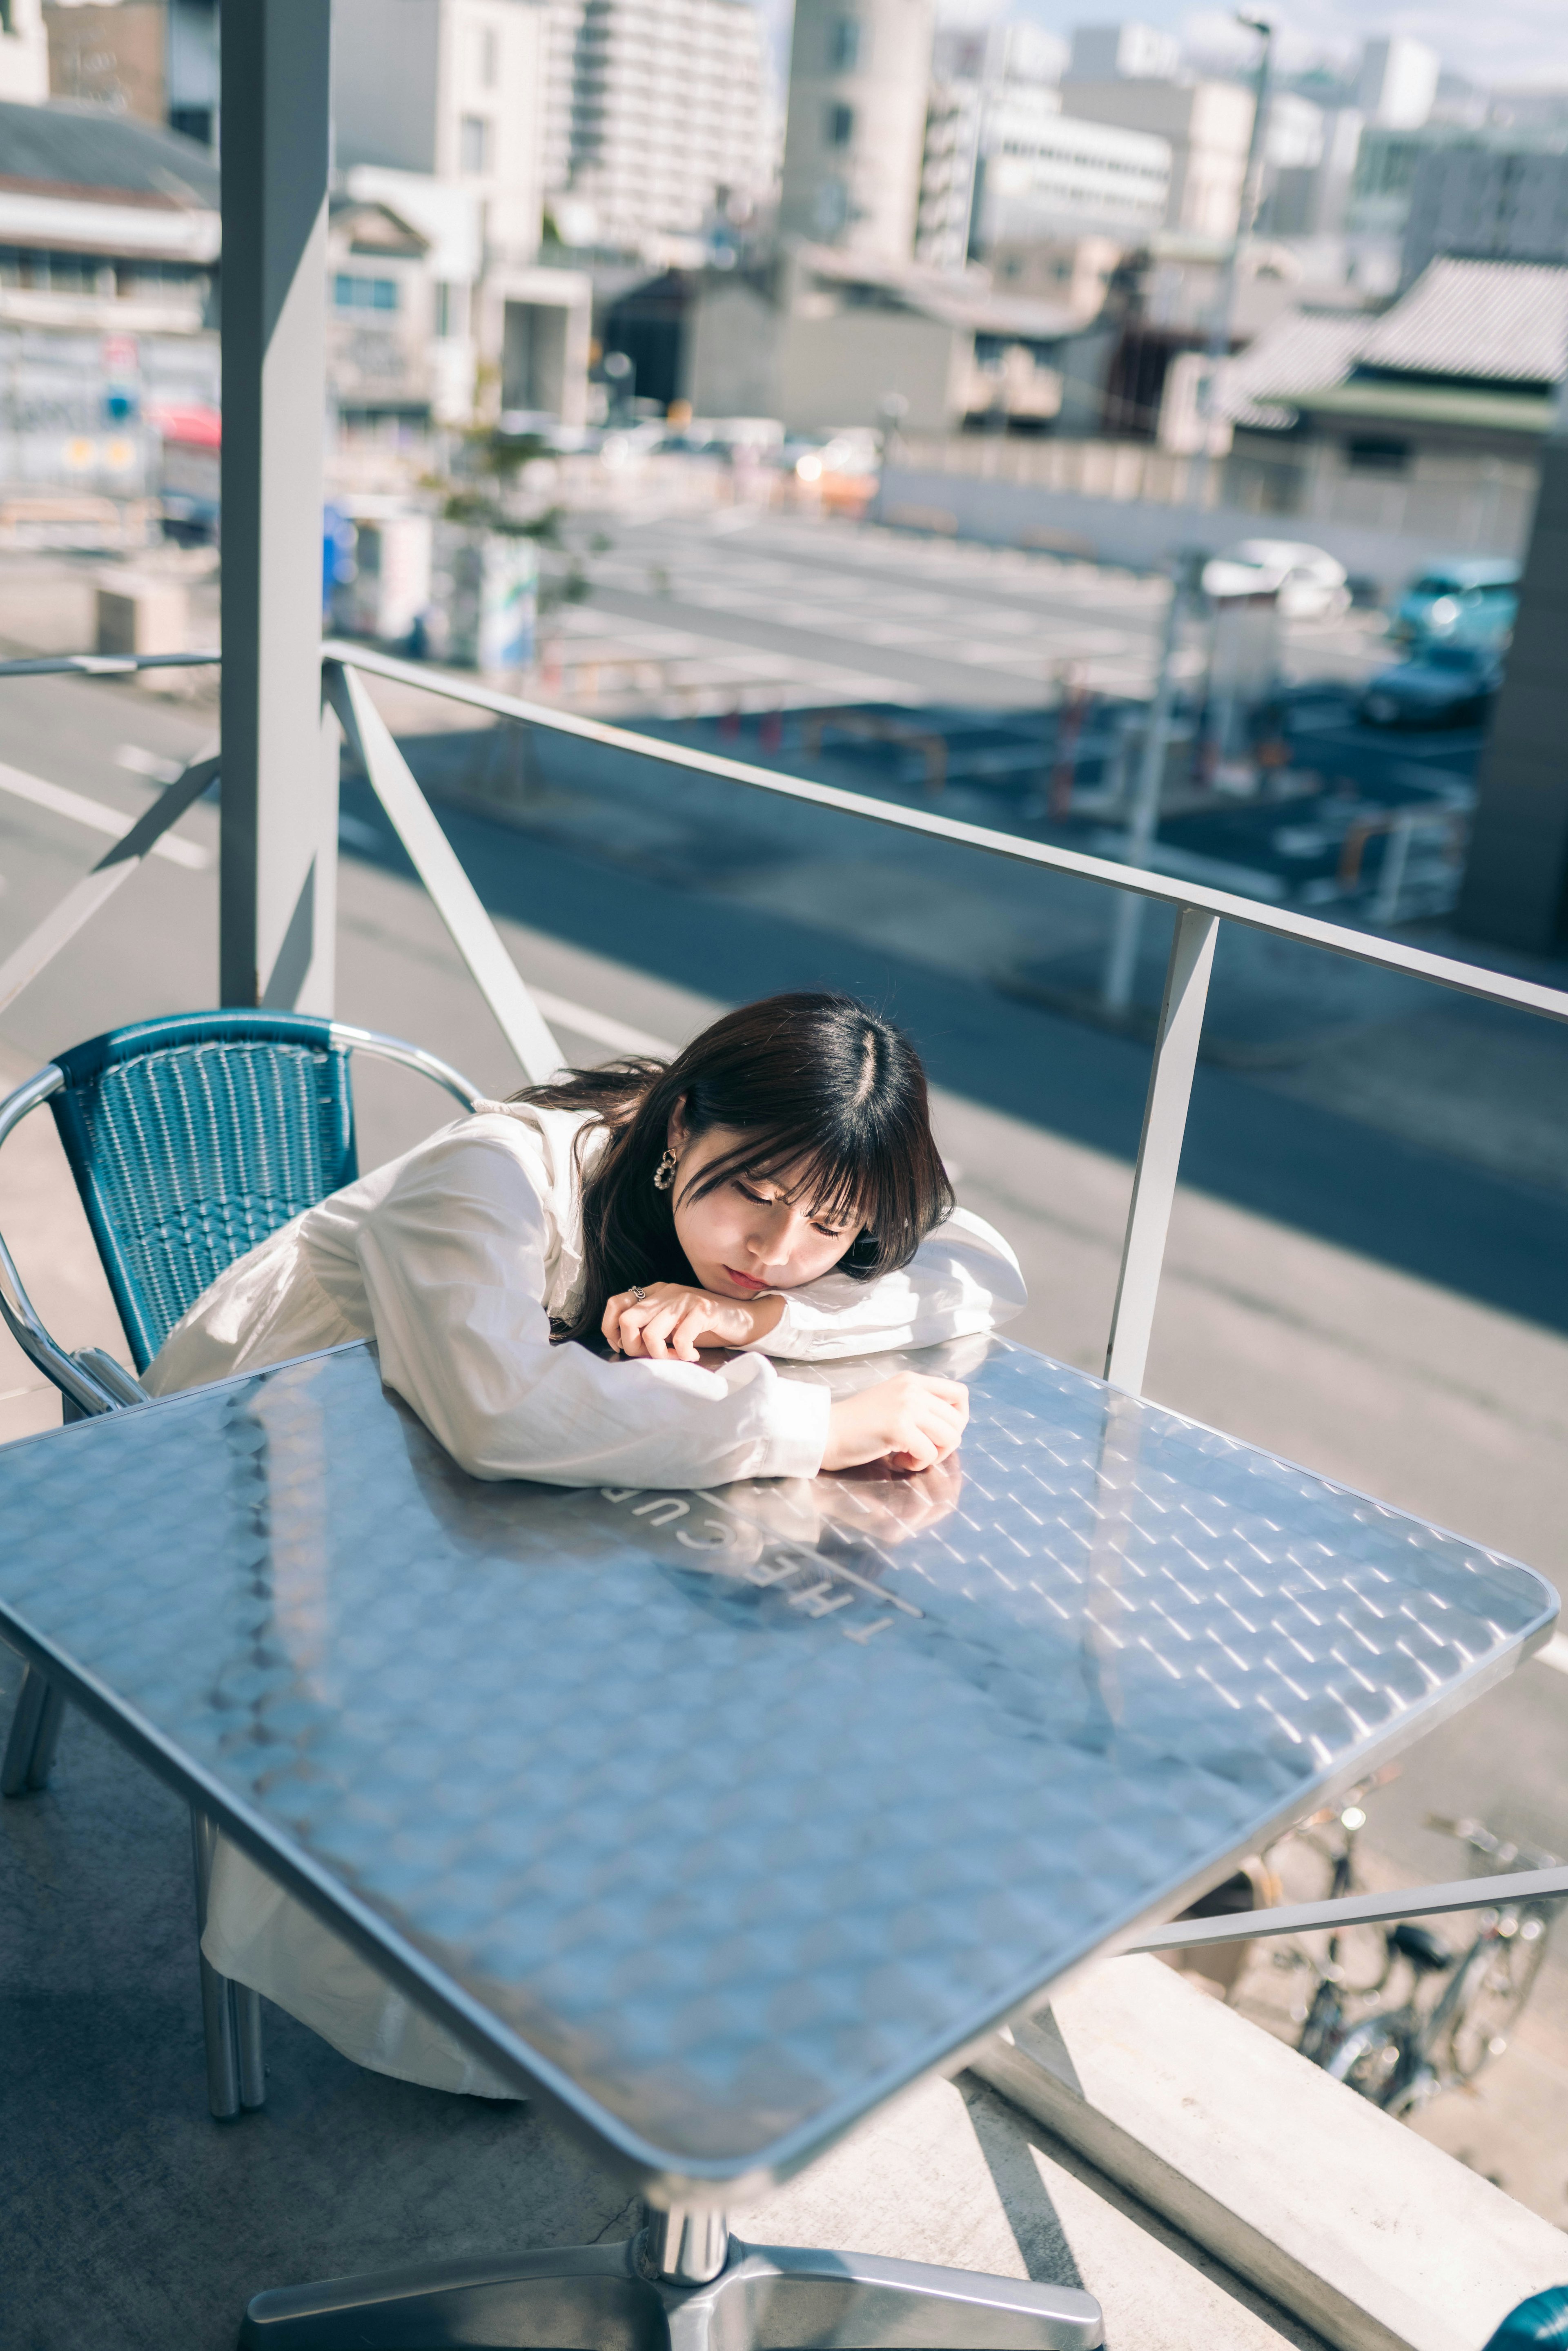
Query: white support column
(278,879)
(1159,1147)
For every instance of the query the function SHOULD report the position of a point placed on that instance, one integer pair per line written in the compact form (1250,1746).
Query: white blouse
(455,1258)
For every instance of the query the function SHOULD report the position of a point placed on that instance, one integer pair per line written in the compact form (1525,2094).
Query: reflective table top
(722,1817)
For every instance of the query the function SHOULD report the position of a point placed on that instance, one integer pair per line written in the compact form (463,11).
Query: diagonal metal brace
(115,866)
(437,862)
(1360,1910)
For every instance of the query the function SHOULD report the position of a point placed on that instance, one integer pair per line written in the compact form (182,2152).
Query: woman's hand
(909,1421)
(672,1318)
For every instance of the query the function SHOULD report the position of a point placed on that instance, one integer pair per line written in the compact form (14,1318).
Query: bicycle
(1358,1961)
(1400,2057)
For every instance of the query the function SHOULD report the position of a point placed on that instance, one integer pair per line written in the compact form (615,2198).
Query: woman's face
(748,1234)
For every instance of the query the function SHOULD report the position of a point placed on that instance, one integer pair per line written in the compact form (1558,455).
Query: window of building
(489,57)
(844,45)
(474,144)
(350,291)
(839,125)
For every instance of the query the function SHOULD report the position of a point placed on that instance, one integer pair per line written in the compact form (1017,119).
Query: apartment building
(656,119)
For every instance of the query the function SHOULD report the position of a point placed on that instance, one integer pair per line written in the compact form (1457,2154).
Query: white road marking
(1555,1653)
(99,817)
(148,763)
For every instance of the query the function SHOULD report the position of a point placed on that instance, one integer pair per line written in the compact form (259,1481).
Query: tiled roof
(1502,318)
(1500,321)
(62,146)
(1304,350)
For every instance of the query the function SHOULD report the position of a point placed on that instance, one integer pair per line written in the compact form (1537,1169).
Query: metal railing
(1199,911)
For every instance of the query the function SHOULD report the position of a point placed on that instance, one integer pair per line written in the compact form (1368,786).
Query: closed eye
(760,1200)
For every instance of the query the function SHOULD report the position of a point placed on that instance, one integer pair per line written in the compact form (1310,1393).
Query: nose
(771,1237)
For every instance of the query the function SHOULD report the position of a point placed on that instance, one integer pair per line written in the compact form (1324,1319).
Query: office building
(1050,176)
(855,137)
(1003,166)
(656,118)
(1397,82)
(1206,125)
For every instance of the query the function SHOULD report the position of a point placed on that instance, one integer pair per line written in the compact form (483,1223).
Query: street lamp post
(1220,320)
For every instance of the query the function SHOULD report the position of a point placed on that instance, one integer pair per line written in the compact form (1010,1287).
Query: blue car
(1470,603)
(1440,685)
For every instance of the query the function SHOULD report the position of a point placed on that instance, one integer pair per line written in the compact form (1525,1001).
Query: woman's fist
(910,1421)
(672,1318)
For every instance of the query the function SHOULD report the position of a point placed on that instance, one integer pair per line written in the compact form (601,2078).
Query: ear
(676,1136)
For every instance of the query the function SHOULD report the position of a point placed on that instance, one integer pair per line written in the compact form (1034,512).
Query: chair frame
(92,1382)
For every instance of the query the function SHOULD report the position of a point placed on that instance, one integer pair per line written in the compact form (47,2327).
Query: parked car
(1471,602)
(1310,584)
(1440,685)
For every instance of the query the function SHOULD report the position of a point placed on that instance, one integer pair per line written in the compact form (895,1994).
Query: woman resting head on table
(775,1191)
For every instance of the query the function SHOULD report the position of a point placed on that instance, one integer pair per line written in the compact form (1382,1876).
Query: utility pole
(1221,317)
(278,876)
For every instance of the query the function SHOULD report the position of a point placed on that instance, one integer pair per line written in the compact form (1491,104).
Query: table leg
(602,2298)
(231,2012)
(34,1729)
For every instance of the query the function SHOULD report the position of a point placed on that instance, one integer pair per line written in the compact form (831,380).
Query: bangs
(860,1180)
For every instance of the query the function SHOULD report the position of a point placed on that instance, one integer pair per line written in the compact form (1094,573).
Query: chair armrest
(409,1057)
(89,1388)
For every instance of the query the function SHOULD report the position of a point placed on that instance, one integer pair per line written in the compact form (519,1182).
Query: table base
(603,2298)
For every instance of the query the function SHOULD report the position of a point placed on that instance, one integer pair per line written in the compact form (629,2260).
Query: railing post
(278,877)
(1159,1147)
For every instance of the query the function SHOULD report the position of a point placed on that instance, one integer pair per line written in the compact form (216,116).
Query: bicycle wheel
(1369,2059)
(1499,1976)
(1364,1959)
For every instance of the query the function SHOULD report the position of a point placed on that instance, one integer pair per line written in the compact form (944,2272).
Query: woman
(539,1280)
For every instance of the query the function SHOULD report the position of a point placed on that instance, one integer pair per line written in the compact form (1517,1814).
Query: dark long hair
(814,1085)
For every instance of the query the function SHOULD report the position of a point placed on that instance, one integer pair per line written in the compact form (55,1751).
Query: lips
(745,1280)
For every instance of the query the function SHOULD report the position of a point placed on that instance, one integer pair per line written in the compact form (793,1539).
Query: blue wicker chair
(191,1139)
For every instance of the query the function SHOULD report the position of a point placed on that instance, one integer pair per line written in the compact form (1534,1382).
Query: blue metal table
(717,1819)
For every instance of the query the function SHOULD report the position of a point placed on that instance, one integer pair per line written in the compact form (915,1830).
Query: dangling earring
(664,1173)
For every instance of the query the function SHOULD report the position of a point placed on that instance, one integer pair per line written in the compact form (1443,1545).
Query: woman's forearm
(962,1279)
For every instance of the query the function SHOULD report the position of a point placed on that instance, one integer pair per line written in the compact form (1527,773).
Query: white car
(1310,584)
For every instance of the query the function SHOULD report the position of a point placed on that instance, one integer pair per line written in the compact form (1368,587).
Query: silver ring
(639,1293)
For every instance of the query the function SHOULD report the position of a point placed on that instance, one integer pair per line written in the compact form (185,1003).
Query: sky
(1505,43)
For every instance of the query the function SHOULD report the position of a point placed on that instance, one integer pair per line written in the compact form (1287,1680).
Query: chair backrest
(192,1138)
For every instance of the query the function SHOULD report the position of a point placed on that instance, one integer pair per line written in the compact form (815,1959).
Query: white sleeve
(452,1260)
(961,1279)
